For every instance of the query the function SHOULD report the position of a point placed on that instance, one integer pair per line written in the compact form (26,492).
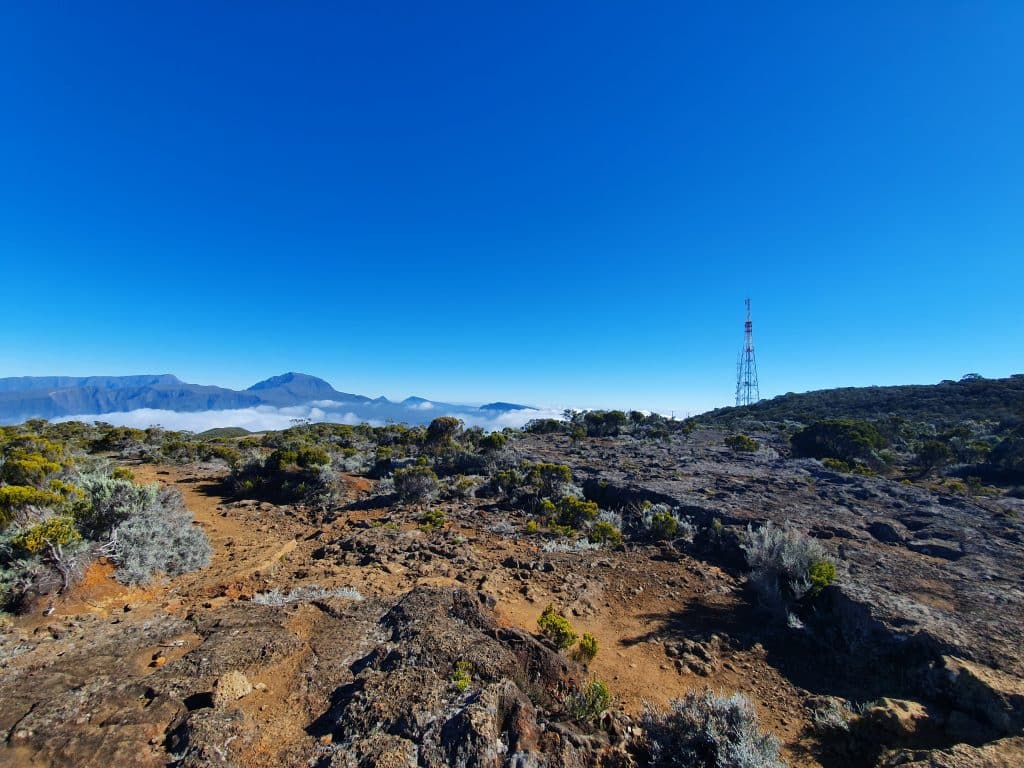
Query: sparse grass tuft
(304,594)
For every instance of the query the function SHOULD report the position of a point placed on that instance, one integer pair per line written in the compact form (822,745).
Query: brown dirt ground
(257,547)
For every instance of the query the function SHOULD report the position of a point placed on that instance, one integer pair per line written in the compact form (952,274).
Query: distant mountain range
(55,397)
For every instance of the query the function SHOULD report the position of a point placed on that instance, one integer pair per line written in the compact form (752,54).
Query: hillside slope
(943,405)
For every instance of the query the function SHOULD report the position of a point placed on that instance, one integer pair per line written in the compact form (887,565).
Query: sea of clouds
(266,417)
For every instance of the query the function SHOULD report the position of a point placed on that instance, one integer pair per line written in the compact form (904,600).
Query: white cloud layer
(266,417)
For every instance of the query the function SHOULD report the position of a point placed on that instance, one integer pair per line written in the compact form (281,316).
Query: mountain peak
(292,378)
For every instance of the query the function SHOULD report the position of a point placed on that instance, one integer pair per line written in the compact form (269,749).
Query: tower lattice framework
(747,390)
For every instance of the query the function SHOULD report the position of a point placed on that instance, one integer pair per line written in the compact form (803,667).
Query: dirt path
(257,547)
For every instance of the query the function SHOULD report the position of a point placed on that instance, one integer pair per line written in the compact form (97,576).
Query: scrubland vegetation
(61,508)
(595,499)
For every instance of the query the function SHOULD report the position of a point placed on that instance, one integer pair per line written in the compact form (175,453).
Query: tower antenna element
(747,390)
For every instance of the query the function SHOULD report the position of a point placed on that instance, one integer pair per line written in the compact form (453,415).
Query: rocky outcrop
(378,686)
(403,692)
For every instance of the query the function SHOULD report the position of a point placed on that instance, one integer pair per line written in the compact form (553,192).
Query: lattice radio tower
(747,391)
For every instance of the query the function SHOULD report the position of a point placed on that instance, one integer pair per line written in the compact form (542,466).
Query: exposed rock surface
(915,650)
(943,566)
(384,671)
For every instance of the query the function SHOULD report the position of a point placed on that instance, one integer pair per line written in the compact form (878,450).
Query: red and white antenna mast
(747,390)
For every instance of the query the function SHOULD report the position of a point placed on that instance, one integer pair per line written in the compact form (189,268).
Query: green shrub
(846,439)
(742,443)
(30,461)
(605,533)
(836,465)
(548,480)
(565,531)
(281,459)
(575,512)
(604,423)
(556,628)
(229,455)
(493,441)
(586,651)
(544,426)
(443,430)
(821,574)
(462,676)
(312,456)
(302,456)
(932,454)
(15,497)
(463,487)
(587,703)
(660,522)
(532,527)
(433,520)
(58,530)
(506,481)
(955,486)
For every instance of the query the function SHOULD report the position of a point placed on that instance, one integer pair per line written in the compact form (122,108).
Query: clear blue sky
(554,203)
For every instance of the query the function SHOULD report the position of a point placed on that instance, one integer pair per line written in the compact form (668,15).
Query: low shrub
(586,651)
(16,497)
(110,501)
(544,426)
(603,532)
(660,522)
(57,531)
(836,465)
(604,423)
(304,457)
(304,594)
(742,443)
(548,480)
(821,575)
(575,512)
(704,730)
(433,520)
(932,455)
(462,676)
(506,482)
(956,486)
(587,703)
(443,431)
(493,441)
(454,460)
(568,544)
(556,628)
(785,565)
(845,439)
(160,539)
(462,487)
(416,484)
